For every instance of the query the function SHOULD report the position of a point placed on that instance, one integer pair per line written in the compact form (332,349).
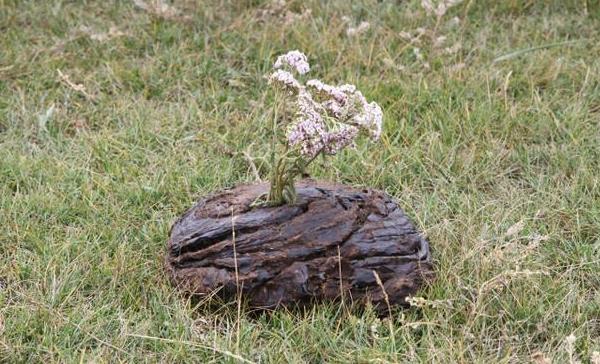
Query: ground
(116,116)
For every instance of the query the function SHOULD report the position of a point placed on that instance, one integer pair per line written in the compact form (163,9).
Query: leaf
(519,52)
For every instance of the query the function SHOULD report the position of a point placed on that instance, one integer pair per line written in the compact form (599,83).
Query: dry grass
(115,117)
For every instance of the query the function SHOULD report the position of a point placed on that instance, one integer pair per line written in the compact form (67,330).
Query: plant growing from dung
(317,119)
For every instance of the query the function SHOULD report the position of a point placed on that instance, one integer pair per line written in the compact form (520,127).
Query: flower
(285,80)
(296,60)
(371,119)
(348,105)
(307,135)
(337,140)
(308,129)
(337,93)
(327,119)
(428,6)
(361,28)
(441,9)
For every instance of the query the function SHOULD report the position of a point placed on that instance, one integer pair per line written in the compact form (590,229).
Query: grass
(497,162)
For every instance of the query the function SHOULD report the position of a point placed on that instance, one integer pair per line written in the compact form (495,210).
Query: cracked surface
(288,255)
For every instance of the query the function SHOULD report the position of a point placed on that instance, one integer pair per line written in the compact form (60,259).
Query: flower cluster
(429,42)
(326,119)
(347,105)
(284,79)
(440,9)
(360,29)
(295,60)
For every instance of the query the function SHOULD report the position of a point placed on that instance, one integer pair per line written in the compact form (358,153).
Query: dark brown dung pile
(294,254)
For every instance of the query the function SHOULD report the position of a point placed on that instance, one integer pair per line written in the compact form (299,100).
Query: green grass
(90,182)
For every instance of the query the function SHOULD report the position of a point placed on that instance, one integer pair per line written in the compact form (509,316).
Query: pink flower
(371,119)
(328,118)
(284,79)
(337,140)
(308,129)
(348,105)
(307,135)
(296,60)
(338,94)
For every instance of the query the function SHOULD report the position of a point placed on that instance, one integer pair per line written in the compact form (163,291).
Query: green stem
(288,167)
(278,181)
(274,132)
(285,169)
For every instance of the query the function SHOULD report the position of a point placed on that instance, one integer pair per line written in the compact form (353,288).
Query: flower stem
(282,188)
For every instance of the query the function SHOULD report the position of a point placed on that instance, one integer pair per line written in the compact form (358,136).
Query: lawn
(116,116)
